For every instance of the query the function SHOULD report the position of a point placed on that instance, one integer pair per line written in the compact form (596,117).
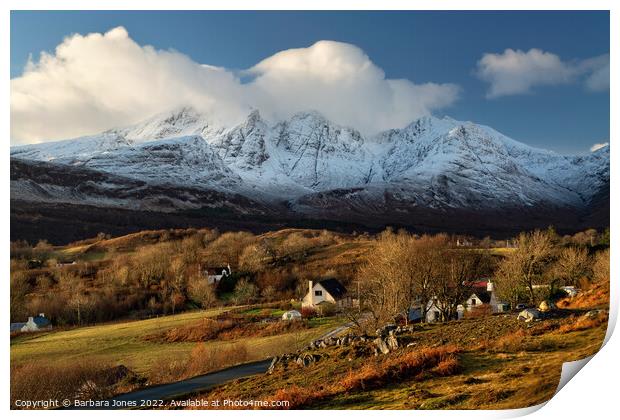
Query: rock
(385,329)
(529,315)
(381,345)
(546,306)
(392,342)
(594,313)
(273,364)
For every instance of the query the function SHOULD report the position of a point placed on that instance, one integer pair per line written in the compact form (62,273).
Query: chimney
(310,285)
(30,319)
(490,286)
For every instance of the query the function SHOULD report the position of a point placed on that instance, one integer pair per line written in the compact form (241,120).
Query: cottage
(34,323)
(484,294)
(215,274)
(326,291)
(433,310)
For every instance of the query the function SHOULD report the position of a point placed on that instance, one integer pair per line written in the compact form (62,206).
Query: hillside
(485,363)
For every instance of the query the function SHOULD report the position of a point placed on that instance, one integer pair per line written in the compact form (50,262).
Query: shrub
(201,292)
(64,379)
(439,361)
(479,311)
(308,312)
(511,342)
(584,323)
(205,359)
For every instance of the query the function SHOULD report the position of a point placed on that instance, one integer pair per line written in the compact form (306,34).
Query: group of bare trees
(542,258)
(404,271)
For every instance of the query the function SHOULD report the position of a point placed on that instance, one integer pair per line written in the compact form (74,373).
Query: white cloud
(597,69)
(98,81)
(597,146)
(517,72)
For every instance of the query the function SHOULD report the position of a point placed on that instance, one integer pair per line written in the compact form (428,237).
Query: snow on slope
(432,162)
(73,151)
(181,122)
(185,161)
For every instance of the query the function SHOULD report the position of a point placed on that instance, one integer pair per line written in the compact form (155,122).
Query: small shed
(291,315)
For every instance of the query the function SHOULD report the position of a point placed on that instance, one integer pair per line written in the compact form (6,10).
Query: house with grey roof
(326,291)
(34,323)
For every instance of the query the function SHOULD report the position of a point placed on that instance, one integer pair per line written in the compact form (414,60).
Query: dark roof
(217,270)
(17,326)
(334,288)
(483,295)
(41,321)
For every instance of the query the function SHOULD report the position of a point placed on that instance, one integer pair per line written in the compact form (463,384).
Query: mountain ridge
(317,168)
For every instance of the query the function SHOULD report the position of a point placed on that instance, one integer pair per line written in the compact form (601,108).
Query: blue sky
(439,47)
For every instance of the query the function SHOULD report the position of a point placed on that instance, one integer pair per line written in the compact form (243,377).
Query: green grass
(124,343)
(117,342)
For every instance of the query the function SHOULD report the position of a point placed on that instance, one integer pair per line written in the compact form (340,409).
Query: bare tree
(600,267)
(401,270)
(201,292)
(572,265)
(524,267)
(508,281)
(385,289)
(255,257)
(457,270)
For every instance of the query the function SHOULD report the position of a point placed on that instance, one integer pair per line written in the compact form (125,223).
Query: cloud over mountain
(97,81)
(516,72)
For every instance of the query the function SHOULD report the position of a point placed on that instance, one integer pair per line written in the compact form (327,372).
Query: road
(201,383)
(179,389)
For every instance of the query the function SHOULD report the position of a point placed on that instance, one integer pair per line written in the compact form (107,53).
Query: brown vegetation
(227,328)
(161,272)
(202,360)
(84,379)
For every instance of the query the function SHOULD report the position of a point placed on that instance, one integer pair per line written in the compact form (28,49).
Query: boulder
(381,345)
(392,342)
(594,313)
(529,315)
(546,306)
(386,329)
(274,363)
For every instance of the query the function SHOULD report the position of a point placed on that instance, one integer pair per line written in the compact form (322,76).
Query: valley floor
(145,352)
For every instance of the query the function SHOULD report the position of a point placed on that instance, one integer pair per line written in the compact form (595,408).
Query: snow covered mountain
(321,168)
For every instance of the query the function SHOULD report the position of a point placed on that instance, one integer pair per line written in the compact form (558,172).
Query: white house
(484,294)
(433,310)
(215,274)
(34,323)
(326,291)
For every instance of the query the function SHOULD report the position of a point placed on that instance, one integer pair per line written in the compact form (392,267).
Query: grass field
(124,343)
